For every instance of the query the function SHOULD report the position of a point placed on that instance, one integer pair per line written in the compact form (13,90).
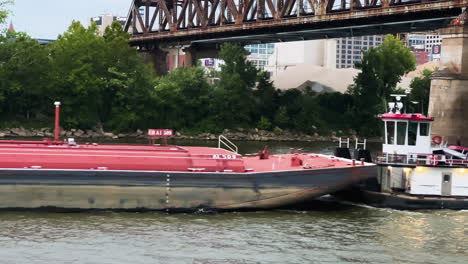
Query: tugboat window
(412,132)
(424,129)
(401,133)
(390,132)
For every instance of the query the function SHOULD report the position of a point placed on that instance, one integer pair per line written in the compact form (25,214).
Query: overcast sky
(49,18)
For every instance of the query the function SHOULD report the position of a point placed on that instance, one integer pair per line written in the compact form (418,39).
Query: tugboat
(415,170)
(65,175)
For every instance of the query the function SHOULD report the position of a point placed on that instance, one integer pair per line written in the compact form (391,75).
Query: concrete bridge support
(166,59)
(448,102)
(158,58)
(193,54)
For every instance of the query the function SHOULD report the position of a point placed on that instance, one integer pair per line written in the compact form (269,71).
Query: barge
(65,175)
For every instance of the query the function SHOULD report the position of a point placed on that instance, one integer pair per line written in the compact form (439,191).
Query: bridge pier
(448,102)
(158,58)
(194,53)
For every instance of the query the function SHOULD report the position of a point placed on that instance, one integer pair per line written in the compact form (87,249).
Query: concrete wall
(448,105)
(448,102)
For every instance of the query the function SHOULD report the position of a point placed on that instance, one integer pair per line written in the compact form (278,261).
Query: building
(416,41)
(104,21)
(421,55)
(433,46)
(349,51)
(259,54)
(429,43)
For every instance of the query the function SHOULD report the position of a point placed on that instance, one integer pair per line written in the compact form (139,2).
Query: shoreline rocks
(237,134)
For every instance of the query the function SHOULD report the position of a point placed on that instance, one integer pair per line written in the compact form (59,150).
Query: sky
(48,18)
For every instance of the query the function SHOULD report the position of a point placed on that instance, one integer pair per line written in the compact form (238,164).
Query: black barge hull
(152,190)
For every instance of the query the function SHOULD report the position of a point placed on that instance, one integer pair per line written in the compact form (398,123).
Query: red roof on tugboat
(412,117)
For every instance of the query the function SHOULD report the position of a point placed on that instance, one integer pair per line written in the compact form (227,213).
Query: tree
(420,90)
(101,81)
(183,99)
(24,66)
(233,97)
(266,97)
(3,11)
(381,70)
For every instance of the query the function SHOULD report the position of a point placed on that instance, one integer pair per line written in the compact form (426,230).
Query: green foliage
(420,91)
(183,99)
(266,97)
(101,81)
(24,67)
(233,100)
(3,11)
(264,123)
(381,70)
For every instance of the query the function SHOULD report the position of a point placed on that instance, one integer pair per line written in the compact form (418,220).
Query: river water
(329,232)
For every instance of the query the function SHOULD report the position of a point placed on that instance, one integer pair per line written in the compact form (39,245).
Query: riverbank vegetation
(104,85)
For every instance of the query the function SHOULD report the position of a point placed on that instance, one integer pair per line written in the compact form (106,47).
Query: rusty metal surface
(168,20)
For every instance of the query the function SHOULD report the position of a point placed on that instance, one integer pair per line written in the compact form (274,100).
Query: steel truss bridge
(261,21)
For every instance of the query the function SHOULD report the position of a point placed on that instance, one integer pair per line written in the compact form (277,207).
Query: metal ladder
(227,144)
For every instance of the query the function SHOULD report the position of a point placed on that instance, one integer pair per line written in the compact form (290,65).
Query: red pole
(57,121)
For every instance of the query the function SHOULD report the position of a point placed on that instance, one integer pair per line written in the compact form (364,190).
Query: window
(390,132)
(349,61)
(446,177)
(401,133)
(424,129)
(350,52)
(412,132)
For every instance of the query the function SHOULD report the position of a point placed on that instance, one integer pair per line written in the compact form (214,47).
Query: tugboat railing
(223,141)
(420,159)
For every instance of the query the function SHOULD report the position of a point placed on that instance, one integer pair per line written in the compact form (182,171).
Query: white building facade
(104,21)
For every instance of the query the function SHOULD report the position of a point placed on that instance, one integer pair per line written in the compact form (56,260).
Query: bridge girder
(183,21)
